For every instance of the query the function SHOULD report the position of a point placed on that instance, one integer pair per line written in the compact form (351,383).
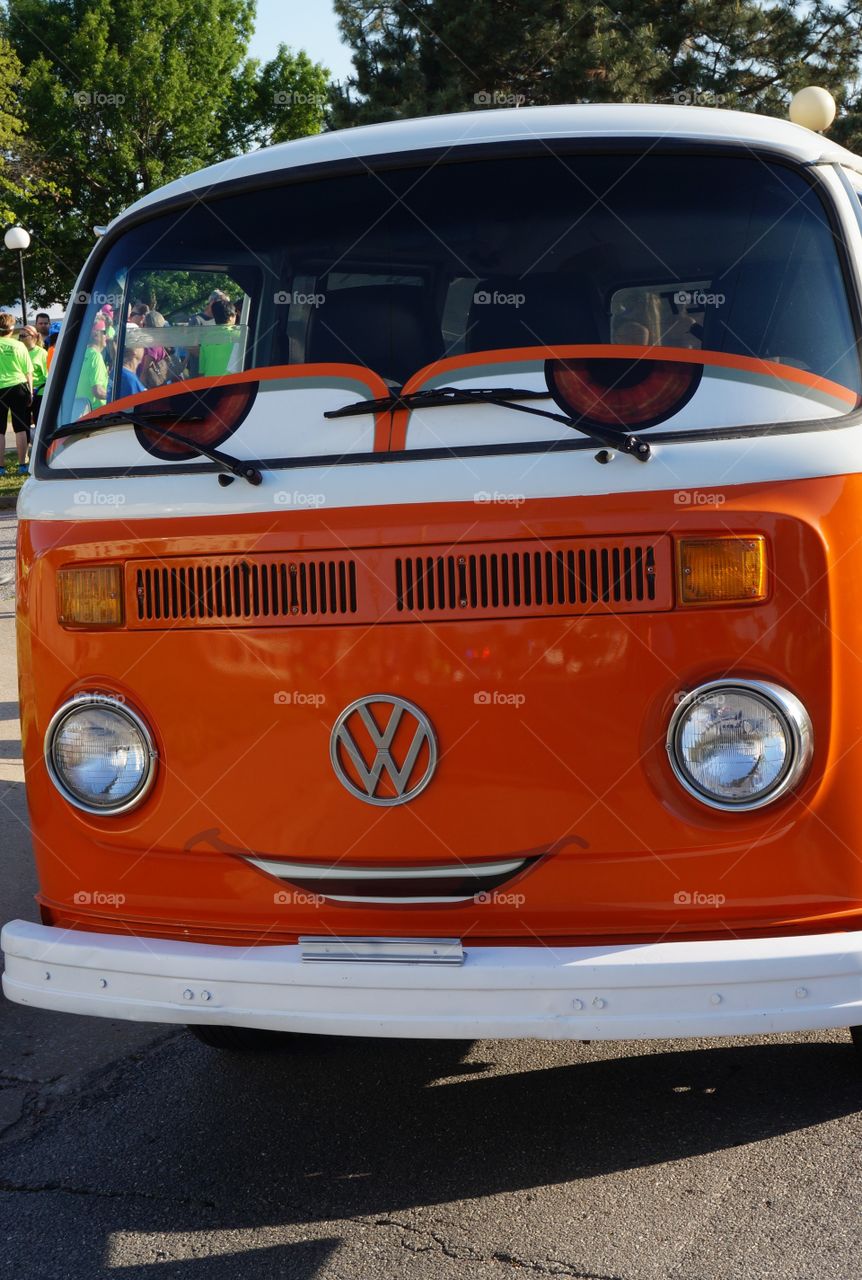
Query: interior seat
(555,310)
(392,329)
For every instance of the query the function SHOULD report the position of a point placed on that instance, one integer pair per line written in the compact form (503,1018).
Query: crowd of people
(145,366)
(25,355)
(105,370)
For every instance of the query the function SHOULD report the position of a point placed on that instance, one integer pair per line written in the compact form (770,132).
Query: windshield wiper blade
(432,397)
(150,421)
(506,398)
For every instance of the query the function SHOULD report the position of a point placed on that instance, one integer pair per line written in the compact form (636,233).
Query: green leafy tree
(11,134)
(24,185)
(179,294)
(430,56)
(124,97)
(276,101)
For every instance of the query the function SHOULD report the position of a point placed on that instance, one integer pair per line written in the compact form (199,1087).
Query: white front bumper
(666,989)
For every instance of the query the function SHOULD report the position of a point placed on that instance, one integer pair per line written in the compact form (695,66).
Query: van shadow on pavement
(184,1139)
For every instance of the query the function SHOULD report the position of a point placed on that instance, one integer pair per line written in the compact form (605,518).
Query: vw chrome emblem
(381,748)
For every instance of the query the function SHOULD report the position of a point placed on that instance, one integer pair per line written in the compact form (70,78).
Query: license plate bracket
(381,950)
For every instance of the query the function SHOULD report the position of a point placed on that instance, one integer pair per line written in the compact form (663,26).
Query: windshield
(395,270)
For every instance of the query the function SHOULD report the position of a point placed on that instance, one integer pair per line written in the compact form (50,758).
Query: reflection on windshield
(725,254)
(151,350)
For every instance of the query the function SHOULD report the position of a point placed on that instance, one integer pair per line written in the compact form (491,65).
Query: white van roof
(607,120)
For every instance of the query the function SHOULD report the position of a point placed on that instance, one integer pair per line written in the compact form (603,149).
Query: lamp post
(17,239)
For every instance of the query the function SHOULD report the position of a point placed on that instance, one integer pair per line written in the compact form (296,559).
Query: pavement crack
(424,1240)
(48,1099)
(434,1242)
(65,1188)
(550,1267)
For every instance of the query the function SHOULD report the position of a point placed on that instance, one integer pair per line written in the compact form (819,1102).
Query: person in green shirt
(92,389)
(220,355)
(32,340)
(16,388)
(109,355)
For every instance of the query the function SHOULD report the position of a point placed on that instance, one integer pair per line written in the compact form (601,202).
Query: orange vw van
(440,606)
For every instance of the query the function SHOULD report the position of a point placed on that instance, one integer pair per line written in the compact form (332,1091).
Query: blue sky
(301,24)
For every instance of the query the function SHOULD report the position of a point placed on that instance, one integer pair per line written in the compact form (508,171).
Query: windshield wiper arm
(506,398)
(149,421)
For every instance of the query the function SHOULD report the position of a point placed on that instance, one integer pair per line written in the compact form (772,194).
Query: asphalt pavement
(134,1152)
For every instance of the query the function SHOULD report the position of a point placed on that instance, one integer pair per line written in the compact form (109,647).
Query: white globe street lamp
(17,239)
(813,108)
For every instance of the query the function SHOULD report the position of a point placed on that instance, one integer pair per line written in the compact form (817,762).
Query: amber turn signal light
(91,596)
(721,570)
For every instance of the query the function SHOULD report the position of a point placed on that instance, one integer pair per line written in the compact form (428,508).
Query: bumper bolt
(188,995)
(206,995)
(103,982)
(577,1004)
(801,993)
(715,998)
(599,1003)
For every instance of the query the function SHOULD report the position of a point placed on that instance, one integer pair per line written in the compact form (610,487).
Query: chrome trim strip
(336,871)
(394,902)
(383,950)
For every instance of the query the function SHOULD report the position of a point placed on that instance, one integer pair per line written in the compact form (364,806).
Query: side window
(157,327)
(670,314)
(181,325)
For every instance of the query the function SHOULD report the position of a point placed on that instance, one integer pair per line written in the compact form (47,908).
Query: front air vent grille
(254,590)
(552,577)
(578,577)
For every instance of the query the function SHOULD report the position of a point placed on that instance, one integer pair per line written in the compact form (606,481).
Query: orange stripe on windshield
(390,430)
(593,351)
(269,373)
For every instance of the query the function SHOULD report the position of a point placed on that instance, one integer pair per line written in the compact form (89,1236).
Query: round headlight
(100,755)
(739,744)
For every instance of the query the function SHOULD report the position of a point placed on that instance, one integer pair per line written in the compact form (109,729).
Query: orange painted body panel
(575,776)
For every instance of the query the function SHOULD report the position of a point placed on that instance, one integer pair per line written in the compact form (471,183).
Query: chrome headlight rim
(59,718)
(789,710)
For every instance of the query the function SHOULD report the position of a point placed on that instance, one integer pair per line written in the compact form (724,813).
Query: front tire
(856,1036)
(242,1039)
